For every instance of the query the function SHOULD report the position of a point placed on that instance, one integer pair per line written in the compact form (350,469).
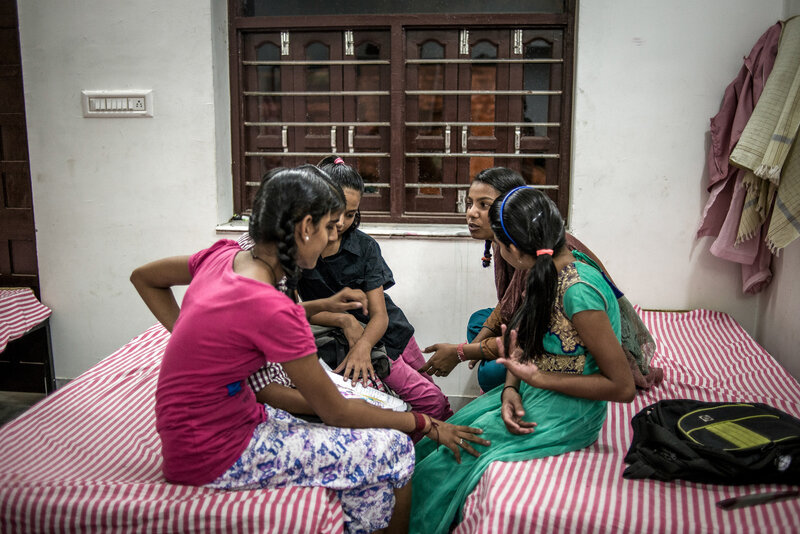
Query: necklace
(280,284)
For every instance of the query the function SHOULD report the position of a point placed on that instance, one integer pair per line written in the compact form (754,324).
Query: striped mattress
(86,459)
(20,312)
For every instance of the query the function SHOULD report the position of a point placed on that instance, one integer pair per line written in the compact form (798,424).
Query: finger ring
(461,442)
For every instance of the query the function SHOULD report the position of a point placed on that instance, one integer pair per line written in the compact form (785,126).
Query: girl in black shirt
(354,260)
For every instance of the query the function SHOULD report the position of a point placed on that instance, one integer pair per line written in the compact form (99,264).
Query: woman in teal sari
(565,362)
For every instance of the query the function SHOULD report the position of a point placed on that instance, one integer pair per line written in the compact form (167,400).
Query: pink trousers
(417,389)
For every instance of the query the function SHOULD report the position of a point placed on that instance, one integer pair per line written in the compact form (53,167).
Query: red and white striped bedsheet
(705,355)
(87,459)
(20,312)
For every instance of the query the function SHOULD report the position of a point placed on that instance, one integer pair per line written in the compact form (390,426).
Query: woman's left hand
(512,412)
(352,330)
(444,359)
(357,364)
(456,437)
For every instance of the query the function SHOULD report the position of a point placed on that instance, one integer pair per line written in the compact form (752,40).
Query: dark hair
(337,191)
(344,176)
(531,222)
(503,180)
(285,197)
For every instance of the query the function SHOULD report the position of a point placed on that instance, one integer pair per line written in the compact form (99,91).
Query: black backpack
(714,442)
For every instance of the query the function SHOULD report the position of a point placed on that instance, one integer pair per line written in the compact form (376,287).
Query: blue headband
(503,205)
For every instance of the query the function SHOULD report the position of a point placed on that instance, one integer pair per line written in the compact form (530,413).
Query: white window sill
(397,230)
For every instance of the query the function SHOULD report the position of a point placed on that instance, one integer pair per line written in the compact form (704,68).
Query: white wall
(779,311)
(222,109)
(439,283)
(649,77)
(112,194)
(791,8)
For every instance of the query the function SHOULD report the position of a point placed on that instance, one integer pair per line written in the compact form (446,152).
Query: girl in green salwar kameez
(564,360)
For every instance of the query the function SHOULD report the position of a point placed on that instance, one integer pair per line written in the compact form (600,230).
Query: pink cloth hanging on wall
(723,209)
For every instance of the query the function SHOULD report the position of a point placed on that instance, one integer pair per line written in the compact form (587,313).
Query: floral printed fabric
(363,466)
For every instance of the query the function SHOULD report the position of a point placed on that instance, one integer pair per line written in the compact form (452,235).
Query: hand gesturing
(526,371)
(444,359)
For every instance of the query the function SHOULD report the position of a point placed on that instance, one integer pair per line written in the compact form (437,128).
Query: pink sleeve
(196,259)
(286,335)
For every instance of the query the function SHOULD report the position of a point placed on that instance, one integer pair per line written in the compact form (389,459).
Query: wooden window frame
(397,25)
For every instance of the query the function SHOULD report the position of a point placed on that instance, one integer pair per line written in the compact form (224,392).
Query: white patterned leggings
(363,466)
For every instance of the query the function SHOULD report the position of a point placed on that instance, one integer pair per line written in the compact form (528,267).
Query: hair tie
(543,251)
(338,161)
(503,205)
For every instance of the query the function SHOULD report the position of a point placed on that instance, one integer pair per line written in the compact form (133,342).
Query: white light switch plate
(118,103)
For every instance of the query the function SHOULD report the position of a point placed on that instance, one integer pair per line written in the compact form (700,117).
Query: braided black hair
(285,197)
(344,176)
(531,221)
(486,260)
(503,180)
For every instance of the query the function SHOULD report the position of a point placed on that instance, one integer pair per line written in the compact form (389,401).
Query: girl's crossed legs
(363,466)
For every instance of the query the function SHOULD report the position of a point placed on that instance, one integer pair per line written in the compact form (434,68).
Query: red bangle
(435,425)
(419,421)
(460,352)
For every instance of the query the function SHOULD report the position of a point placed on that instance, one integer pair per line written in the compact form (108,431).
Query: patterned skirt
(363,466)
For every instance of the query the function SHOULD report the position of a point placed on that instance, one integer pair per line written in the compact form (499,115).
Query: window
(418,103)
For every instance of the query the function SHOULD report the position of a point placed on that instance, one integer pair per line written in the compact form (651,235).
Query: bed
(86,458)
